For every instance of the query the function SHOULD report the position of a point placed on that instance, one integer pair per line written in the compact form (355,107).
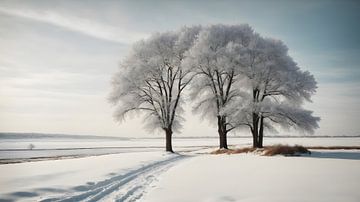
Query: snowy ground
(253,178)
(50,148)
(138,169)
(92,178)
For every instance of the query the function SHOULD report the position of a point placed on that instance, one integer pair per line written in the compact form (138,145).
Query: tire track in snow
(126,187)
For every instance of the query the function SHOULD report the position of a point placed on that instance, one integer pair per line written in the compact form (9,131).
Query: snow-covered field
(138,169)
(89,178)
(18,148)
(246,178)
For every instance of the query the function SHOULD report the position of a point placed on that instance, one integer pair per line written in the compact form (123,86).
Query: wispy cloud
(74,23)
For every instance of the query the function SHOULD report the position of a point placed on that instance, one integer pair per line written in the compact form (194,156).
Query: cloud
(82,25)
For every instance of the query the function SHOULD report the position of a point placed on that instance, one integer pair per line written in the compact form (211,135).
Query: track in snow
(127,187)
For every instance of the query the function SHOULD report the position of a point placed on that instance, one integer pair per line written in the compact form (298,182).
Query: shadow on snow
(348,155)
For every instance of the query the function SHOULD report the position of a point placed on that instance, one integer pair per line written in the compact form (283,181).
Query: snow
(68,178)
(44,143)
(139,169)
(45,147)
(248,177)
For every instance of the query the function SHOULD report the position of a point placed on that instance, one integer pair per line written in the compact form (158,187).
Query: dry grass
(243,150)
(285,150)
(221,151)
(234,151)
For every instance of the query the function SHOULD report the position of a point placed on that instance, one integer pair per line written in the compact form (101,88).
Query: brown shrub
(285,150)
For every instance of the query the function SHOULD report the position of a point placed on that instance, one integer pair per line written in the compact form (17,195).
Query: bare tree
(238,79)
(31,146)
(152,80)
(275,91)
(213,59)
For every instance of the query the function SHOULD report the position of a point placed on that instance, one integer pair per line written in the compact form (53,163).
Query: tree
(213,59)
(31,146)
(152,80)
(275,91)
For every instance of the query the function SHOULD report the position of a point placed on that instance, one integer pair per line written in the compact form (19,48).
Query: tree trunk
(255,132)
(222,132)
(168,133)
(223,141)
(255,138)
(261,133)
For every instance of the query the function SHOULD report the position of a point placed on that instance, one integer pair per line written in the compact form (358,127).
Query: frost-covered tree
(214,58)
(152,80)
(274,92)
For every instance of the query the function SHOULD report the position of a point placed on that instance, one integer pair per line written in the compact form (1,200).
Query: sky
(57,58)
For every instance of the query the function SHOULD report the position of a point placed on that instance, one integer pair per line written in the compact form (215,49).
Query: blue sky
(57,57)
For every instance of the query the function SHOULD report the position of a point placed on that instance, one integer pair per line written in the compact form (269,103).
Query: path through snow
(126,187)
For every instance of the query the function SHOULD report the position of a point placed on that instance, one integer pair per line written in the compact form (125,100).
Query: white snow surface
(44,147)
(139,170)
(252,178)
(83,179)
(54,143)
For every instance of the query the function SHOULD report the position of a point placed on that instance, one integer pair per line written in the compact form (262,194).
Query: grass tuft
(285,150)
(243,150)
(221,151)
